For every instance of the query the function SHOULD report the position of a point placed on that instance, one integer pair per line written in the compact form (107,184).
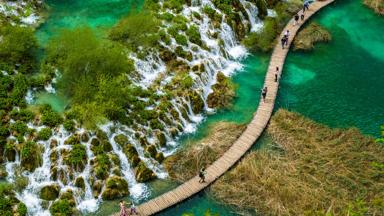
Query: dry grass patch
(187,162)
(312,170)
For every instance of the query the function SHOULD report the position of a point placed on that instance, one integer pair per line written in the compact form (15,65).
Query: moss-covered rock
(84,137)
(3,173)
(96,188)
(311,34)
(68,195)
(79,182)
(116,187)
(159,157)
(63,207)
(121,139)
(50,192)
(143,173)
(161,138)
(30,156)
(197,102)
(151,150)
(223,92)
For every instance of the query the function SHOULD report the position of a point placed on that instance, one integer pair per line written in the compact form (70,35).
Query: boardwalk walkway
(246,140)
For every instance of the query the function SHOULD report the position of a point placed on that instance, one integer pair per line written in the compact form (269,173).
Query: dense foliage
(94,74)
(17,48)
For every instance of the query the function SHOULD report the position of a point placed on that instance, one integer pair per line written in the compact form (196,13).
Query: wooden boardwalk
(246,140)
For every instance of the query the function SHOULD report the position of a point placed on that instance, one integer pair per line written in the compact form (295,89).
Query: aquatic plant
(311,34)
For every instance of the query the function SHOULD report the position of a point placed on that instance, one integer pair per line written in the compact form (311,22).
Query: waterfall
(221,53)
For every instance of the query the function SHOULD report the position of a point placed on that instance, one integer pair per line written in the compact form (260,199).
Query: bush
(181,39)
(19,127)
(135,30)
(263,40)
(194,35)
(51,118)
(44,134)
(69,125)
(22,115)
(61,208)
(18,46)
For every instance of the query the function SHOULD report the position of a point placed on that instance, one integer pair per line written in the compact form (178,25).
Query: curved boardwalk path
(246,140)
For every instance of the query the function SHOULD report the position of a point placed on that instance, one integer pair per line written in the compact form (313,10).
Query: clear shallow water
(340,83)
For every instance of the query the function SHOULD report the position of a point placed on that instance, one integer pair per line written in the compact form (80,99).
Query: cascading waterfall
(219,57)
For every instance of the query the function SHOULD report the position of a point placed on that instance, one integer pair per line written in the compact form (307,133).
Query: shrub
(44,134)
(22,115)
(51,118)
(263,40)
(69,125)
(194,35)
(19,127)
(181,39)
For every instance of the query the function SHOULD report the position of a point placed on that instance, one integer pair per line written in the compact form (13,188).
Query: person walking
(296,21)
(286,35)
(302,17)
(133,210)
(276,74)
(283,41)
(123,211)
(202,175)
(264,93)
(305,6)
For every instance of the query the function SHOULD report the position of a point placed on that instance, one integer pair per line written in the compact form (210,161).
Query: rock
(3,173)
(223,92)
(53,143)
(159,157)
(116,187)
(116,171)
(10,154)
(151,150)
(143,173)
(107,147)
(143,141)
(30,156)
(95,142)
(161,138)
(130,151)
(101,135)
(72,140)
(79,182)
(311,34)
(121,139)
(135,160)
(68,195)
(197,102)
(96,188)
(50,192)
(84,137)
(167,55)
(114,158)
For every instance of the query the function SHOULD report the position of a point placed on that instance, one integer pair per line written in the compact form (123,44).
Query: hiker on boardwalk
(123,211)
(133,210)
(277,74)
(305,6)
(202,175)
(264,93)
(296,20)
(302,17)
(286,35)
(283,41)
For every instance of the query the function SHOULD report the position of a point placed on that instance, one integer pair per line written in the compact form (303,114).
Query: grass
(309,169)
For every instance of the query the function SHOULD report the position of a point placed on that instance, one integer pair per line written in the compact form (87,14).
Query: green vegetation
(223,92)
(44,134)
(265,39)
(308,169)
(94,75)
(17,49)
(311,34)
(62,207)
(30,156)
(136,30)
(50,117)
(9,204)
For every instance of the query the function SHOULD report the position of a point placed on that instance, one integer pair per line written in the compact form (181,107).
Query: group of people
(123,210)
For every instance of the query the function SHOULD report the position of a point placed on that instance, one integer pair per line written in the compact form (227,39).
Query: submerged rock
(143,173)
(116,187)
(50,192)
(311,34)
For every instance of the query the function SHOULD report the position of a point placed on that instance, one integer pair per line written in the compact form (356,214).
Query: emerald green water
(338,84)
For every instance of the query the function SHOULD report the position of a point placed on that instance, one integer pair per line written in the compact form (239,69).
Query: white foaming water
(252,11)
